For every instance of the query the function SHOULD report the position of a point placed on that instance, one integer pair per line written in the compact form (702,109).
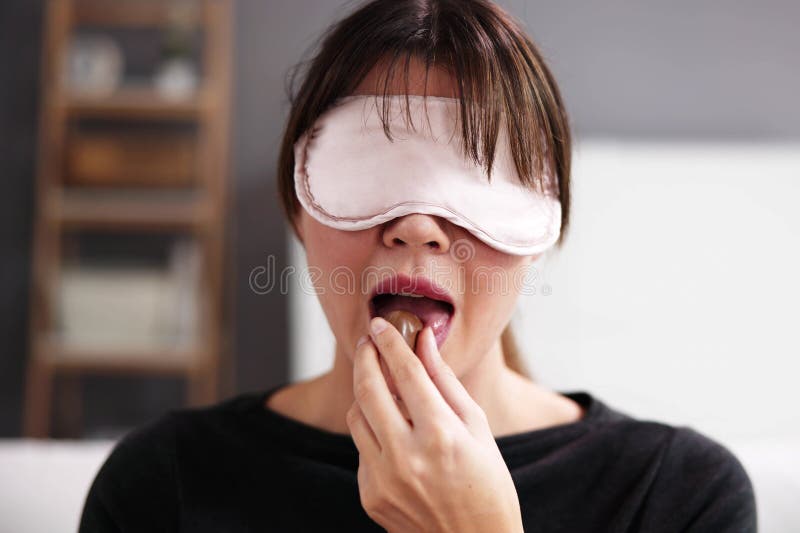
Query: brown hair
(501,79)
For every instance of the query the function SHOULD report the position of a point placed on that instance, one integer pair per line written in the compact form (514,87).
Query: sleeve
(701,486)
(135,489)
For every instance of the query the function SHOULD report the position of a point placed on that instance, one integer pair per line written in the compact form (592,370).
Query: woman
(421,129)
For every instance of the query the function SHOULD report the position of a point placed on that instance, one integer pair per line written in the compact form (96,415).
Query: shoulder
(159,440)
(691,451)
(137,476)
(136,488)
(697,483)
(694,483)
(707,476)
(684,456)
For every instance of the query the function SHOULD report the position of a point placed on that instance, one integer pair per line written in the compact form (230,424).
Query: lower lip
(440,330)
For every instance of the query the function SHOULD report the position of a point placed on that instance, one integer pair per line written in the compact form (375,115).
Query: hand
(441,471)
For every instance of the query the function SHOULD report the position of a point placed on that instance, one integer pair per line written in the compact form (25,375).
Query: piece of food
(408,324)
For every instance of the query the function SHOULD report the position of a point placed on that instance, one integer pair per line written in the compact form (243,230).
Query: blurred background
(138,200)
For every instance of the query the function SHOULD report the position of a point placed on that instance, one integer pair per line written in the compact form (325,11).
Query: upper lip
(401,283)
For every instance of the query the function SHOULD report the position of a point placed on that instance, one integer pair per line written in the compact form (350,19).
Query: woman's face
(482,282)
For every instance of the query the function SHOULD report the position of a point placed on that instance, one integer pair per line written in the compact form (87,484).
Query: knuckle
(393,448)
(404,471)
(369,500)
(440,440)
(353,415)
(439,375)
(416,466)
(365,389)
(362,476)
(404,372)
(478,414)
(447,372)
(392,341)
(397,463)
(362,352)
(373,500)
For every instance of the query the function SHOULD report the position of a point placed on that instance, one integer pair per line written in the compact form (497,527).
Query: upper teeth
(411,294)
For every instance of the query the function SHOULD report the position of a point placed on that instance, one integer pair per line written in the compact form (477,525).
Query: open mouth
(419,296)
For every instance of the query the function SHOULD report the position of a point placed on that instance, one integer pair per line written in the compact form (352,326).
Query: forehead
(438,83)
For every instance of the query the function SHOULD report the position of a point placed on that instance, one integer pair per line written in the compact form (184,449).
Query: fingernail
(377,325)
(361,341)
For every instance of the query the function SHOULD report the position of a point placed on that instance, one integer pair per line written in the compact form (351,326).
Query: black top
(238,466)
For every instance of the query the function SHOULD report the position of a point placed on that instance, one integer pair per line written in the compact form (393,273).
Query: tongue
(433,313)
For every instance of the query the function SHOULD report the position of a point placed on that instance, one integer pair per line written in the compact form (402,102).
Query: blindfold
(350,176)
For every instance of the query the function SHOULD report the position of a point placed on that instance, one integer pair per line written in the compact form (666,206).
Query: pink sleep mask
(350,176)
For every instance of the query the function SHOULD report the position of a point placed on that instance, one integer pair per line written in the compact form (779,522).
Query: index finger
(423,400)
(373,396)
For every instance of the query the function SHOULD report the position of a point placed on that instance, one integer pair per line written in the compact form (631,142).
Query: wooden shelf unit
(137,103)
(105,211)
(147,361)
(60,208)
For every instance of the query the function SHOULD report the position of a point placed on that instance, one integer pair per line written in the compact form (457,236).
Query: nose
(417,231)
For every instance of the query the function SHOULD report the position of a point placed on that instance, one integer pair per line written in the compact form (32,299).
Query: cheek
(336,259)
(333,251)
(491,289)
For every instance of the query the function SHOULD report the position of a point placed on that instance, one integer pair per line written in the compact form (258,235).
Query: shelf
(128,13)
(103,210)
(136,102)
(163,361)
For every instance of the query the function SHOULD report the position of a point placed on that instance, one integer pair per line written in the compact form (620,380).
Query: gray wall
(270,36)
(721,69)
